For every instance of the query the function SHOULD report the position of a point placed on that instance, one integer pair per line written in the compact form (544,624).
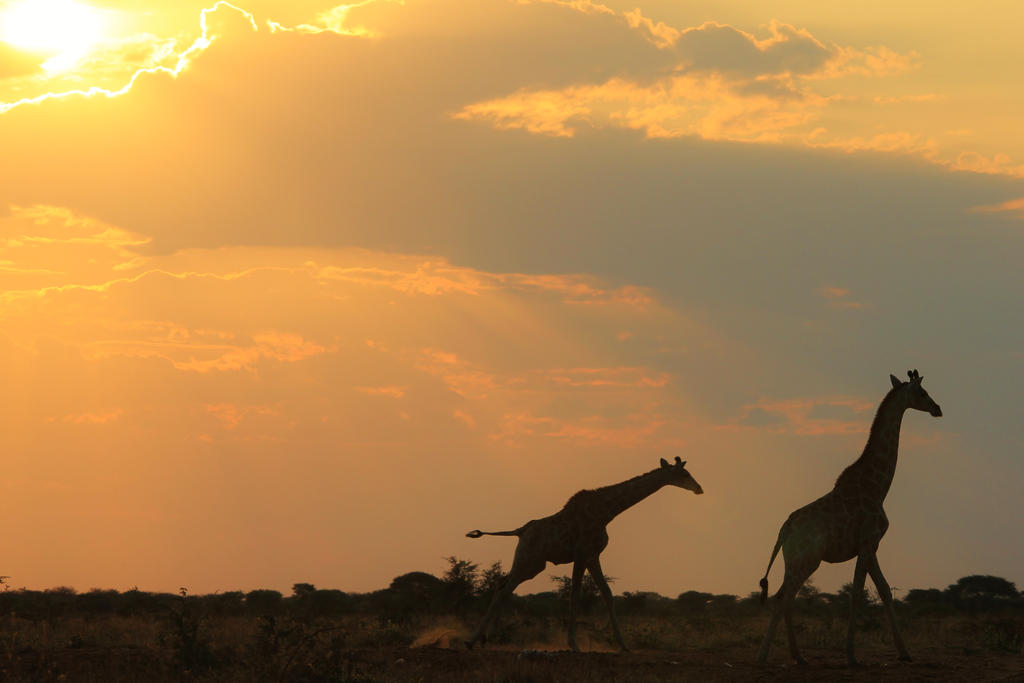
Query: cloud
(605,377)
(633,431)
(903,99)
(324,160)
(839,297)
(1011,206)
(231,415)
(807,417)
(714,81)
(720,83)
(393,392)
(16,63)
(278,346)
(93,418)
(996,164)
(112,68)
(703,106)
(713,46)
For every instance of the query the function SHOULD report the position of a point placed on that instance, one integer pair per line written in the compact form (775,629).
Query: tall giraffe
(848,521)
(577,534)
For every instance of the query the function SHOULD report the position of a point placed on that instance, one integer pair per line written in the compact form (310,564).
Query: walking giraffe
(577,534)
(848,521)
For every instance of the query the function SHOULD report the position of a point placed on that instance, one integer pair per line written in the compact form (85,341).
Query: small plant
(191,649)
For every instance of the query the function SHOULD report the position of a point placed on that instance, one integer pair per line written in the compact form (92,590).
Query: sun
(63,28)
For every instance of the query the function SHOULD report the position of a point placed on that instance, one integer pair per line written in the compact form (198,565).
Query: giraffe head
(678,476)
(918,398)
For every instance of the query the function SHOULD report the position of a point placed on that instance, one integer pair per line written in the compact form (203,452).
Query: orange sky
(304,295)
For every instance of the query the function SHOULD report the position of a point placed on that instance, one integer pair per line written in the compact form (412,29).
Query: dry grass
(177,647)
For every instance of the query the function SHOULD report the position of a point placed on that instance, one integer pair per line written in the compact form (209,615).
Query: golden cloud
(708,107)
(633,431)
(1012,206)
(842,415)
(839,297)
(93,418)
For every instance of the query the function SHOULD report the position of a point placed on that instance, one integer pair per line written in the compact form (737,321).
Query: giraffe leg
(574,594)
(519,573)
(594,567)
(795,577)
(791,635)
(773,625)
(885,593)
(500,595)
(787,612)
(783,601)
(859,574)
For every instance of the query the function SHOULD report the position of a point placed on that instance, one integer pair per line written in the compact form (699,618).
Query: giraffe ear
(664,463)
(895,381)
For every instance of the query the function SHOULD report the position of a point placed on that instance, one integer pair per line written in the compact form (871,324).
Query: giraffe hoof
(799,659)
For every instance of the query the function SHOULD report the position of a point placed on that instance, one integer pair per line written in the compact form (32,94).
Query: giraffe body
(577,533)
(848,522)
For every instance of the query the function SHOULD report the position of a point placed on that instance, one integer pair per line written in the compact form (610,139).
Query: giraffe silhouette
(577,534)
(848,521)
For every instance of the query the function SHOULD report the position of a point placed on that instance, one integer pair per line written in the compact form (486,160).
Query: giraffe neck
(611,501)
(871,474)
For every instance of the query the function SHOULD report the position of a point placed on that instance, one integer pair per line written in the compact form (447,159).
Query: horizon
(290,591)
(311,291)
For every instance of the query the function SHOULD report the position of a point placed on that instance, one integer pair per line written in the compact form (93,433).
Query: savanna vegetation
(413,630)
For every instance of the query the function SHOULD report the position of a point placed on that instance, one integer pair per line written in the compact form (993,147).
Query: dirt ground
(509,665)
(436,664)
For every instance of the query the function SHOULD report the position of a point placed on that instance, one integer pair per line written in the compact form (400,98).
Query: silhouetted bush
(263,601)
(589,594)
(230,603)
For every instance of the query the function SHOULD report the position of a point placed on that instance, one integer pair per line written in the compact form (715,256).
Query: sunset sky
(296,292)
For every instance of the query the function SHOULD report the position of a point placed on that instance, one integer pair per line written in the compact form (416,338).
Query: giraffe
(577,534)
(848,521)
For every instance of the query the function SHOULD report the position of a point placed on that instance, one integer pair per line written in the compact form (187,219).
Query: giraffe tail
(476,533)
(775,551)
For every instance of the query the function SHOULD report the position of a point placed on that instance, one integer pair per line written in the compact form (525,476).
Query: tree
(809,593)
(326,602)
(491,580)
(693,602)
(589,591)
(981,592)
(301,590)
(414,592)
(862,599)
(924,596)
(263,601)
(634,603)
(460,582)
(723,603)
(982,586)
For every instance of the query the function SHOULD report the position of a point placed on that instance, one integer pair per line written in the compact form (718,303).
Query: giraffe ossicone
(577,534)
(848,521)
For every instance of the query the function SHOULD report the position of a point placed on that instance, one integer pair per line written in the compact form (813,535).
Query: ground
(433,664)
(185,643)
